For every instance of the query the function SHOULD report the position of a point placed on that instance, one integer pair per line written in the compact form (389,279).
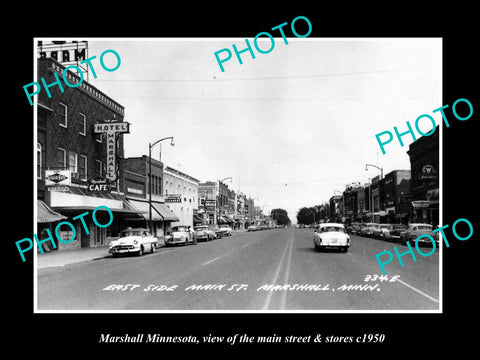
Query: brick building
(70,155)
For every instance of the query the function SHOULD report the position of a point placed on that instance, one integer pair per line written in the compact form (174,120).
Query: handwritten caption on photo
(265,287)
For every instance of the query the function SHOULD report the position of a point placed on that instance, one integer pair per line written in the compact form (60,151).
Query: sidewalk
(55,258)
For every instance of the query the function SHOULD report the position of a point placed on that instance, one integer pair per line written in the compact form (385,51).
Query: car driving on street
(331,235)
(137,241)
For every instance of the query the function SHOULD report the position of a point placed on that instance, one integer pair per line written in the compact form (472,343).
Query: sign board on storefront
(57,177)
(99,185)
(173,198)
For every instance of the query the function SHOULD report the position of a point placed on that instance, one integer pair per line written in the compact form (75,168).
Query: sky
(291,127)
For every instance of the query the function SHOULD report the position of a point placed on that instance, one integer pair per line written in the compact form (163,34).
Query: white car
(203,232)
(181,234)
(331,235)
(225,230)
(138,241)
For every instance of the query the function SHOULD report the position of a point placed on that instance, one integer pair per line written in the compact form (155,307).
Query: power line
(288,77)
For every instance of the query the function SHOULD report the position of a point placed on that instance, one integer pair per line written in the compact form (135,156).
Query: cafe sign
(99,185)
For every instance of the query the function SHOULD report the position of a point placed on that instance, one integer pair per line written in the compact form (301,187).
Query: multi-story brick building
(68,148)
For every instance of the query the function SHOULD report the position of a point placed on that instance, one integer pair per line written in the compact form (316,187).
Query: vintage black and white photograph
(274,174)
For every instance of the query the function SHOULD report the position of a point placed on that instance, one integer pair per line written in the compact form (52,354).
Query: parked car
(225,230)
(252,228)
(262,227)
(416,229)
(377,232)
(354,228)
(331,235)
(136,241)
(393,232)
(181,234)
(368,229)
(203,232)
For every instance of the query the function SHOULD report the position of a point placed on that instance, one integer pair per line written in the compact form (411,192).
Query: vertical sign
(111,130)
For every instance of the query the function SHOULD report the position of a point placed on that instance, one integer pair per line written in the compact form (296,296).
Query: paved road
(239,270)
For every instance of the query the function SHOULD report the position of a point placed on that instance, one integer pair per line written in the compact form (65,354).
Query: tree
(280,216)
(306,215)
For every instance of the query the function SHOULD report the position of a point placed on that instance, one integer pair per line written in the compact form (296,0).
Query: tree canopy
(280,216)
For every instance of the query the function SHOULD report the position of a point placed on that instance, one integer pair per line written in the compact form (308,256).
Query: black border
(405,333)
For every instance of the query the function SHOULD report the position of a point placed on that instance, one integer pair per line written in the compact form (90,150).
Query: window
(82,167)
(63,115)
(39,161)
(98,168)
(98,137)
(72,162)
(83,124)
(61,158)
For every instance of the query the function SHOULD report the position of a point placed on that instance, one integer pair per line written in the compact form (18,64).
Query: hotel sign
(111,130)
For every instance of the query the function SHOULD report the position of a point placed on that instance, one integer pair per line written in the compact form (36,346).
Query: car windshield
(423,227)
(201,228)
(332,228)
(126,233)
(386,226)
(180,228)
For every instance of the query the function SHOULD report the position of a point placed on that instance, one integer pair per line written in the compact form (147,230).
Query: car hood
(126,240)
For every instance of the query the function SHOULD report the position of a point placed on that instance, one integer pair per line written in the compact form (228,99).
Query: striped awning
(46,215)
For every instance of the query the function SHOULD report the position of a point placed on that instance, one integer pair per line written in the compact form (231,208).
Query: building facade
(424,165)
(72,155)
(181,195)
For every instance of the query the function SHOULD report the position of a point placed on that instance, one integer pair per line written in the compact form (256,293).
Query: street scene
(258,188)
(238,273)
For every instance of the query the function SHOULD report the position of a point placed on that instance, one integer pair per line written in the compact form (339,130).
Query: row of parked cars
(394,232)
(139,240)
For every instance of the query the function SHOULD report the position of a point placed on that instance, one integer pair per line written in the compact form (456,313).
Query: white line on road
(277,273)
(418,291)
(210,261)
(283,298)
(246,245)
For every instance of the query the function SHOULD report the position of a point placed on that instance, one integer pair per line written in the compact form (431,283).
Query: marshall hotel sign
(111,129)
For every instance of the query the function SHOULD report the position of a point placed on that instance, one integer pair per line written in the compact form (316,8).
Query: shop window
(72,162)
(61,158)
(82,167)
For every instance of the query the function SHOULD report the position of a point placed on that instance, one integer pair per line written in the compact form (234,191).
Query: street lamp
(150,145)
(375,166)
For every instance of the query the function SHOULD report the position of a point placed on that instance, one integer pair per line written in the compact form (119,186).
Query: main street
(240,268)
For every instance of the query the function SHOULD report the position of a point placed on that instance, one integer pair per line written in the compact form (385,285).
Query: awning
(225,220)
(160,212)
(197,219)
(45,214)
